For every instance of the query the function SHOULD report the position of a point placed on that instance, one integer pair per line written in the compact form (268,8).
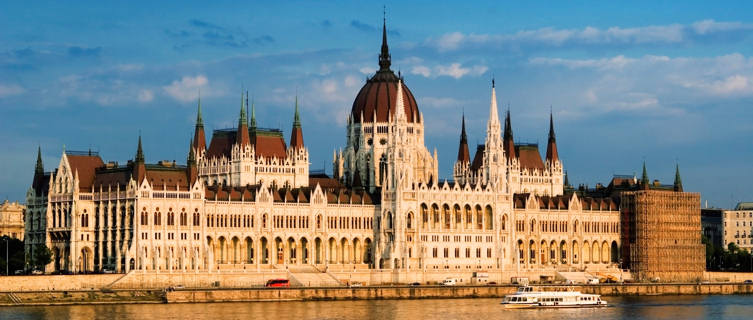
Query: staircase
(13,297)
(309,276)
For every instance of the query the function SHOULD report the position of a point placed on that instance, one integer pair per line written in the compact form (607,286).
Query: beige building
(247,202)
(737,226)
(12,219)
(661,232)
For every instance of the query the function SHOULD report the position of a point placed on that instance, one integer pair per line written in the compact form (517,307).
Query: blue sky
(664,82)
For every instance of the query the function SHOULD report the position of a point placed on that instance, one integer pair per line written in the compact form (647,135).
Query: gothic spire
(508,141)
(40,166)
(297,117)
(139,152)
(199,120)
(644,178)
(296,135)
(384,56)
(253,114)
(678,180)
(242,136)
(191,155)
(199,139)
(242,120)
(551,146)
(464,155)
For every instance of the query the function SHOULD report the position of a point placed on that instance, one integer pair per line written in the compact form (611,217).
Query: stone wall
(57,282)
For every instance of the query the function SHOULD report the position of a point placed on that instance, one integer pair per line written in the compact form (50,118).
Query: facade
(661,232)
(712,226)
(737,226)
(248,202)
(12,219)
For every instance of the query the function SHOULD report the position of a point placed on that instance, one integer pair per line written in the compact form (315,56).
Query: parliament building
(248,201)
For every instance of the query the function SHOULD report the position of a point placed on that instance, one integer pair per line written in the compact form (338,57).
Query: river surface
(654,307)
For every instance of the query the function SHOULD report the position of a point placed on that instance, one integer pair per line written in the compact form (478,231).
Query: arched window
(170,218)
(264,221)
(157,218)
(409,220)
(382,169)
(389,220)
(183,218)
(424,215)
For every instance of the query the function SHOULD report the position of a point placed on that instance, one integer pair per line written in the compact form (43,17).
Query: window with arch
(170,218)
(424,215)
(157,218)
(183,218)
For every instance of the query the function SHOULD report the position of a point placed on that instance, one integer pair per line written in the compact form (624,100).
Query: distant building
(661,231)
(737,226)
(712,227)
(12,219)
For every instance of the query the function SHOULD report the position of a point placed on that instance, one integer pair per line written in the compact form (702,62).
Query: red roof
(85,165)
(529,157)
(267,143)
(170,178)
(379,94)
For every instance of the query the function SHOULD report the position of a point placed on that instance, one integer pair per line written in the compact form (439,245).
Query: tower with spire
(552,162)
(677,186)
(242,155)
(493,171)
(461,171)
(199,141)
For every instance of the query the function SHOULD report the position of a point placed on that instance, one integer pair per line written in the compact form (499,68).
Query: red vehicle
(277,283)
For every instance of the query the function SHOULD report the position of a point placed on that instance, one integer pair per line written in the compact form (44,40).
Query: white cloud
(146,95)
(421,70)
(672,33)
(367,70)
(454,70)
(10,90)
(439,102)
(187,88)
(351,81)
(617,62)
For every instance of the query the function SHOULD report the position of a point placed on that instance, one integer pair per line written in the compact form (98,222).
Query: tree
(42,256)
(11,249)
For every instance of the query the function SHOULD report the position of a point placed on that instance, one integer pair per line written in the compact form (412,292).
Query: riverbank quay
(211,295)
(81,297)
(441,292)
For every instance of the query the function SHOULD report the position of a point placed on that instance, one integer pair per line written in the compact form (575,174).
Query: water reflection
(657,307)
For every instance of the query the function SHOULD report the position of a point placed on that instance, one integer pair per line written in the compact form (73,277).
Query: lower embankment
(342,293)
(437,292)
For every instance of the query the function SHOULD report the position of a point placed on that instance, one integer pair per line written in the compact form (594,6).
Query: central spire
(242,137)
(384,56)
(463,155)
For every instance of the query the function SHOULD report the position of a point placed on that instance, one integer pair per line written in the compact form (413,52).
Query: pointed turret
(253,115)
(193,171)
(399,102)
(567,180)
(508,142)
(242,137)
(199,139)
(139,169)
(464,155)
(551,147)
(38,182)
(678,180)
(39,169)
(384,57)
(644,178)
(296,135)
(139,153)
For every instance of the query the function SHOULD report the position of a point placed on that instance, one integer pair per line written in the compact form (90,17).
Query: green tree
(42,256)
(11,254)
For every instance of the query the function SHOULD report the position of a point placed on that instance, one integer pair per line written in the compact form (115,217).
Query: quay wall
(434,292)
(137,280)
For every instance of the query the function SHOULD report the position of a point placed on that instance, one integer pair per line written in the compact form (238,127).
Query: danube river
(655,307)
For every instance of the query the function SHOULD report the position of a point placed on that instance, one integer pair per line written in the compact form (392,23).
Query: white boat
(555,297)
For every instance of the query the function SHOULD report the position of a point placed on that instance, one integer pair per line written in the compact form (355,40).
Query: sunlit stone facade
(248,201)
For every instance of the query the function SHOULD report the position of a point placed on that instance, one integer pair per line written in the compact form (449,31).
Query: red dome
(379,94)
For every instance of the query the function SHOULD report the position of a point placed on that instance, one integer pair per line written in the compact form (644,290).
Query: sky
(665,82)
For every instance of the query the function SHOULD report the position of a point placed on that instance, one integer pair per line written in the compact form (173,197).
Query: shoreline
(219,295)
